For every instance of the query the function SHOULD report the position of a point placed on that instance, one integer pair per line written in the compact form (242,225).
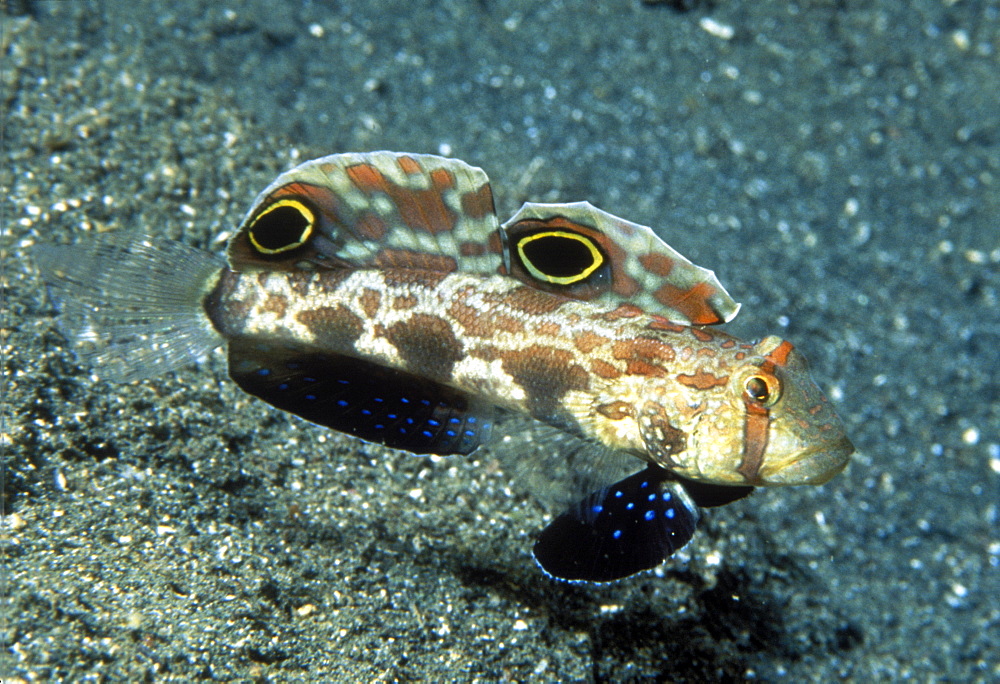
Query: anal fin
(617,531)
(369,401)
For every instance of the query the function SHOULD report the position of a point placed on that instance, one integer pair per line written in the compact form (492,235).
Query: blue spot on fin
(602,538)
(369,401)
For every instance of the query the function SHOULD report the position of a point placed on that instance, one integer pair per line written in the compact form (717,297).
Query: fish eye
(281,227)
(763,390)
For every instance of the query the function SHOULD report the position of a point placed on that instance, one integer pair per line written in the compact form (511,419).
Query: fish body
(378,295)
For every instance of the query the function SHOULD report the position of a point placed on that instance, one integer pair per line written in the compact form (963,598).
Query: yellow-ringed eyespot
(559,257)
(283,226)
(762,389)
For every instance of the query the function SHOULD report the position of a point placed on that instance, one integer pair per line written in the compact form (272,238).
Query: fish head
(768,425)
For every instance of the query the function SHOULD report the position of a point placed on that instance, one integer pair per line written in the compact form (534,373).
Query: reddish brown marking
(692,302)
(588,341)
(370,300)
(603,369)
(779,356)
(657,264)
(276,304)
(418,209)
(479,324)
(471,320)
(471,249)
(370,226)
(627,228)
(479,203)
(496,247)
(707,352)
(404,302)
(529,300)
(546,374)
(367,178)
(427,344)
(815,409)
(408,165)
(442,178)
(622,311)
(702,380)
(662,439)
(755,427)
(408,259)
(397,277)
(507,324)
(739,356)
(302,283)
(548,329)
(702,335)
(615,410)
(486,353)
(661,323)
(644,368)
(336,327)
(728,344)
(644,355)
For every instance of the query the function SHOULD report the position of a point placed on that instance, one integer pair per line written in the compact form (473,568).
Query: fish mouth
(813,466)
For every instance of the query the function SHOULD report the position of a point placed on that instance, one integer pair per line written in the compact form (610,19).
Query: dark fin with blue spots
(363,399)
(631,526)
(710,495)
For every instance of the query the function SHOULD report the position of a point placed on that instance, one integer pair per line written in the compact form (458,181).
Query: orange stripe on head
(755,428)
(779,355)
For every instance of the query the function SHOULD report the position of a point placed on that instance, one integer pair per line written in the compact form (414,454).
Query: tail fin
(131,302)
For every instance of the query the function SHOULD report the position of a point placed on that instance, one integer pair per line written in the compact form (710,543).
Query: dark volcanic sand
(837,164)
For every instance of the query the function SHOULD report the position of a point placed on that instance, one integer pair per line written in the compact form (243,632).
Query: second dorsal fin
(580,251)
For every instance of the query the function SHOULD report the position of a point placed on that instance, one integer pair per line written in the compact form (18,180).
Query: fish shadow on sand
(735,624)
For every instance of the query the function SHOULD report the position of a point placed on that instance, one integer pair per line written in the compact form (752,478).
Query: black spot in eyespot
(281,229)
(557,256)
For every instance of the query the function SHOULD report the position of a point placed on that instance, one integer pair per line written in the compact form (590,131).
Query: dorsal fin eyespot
(282,226)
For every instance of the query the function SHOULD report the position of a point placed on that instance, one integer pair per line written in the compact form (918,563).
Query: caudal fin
(131,302)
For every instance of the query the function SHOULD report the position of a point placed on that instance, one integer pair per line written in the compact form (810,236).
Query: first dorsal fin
(580,251)
(377,210)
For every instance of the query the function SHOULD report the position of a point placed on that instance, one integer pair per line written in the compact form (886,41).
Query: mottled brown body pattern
(435,287)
